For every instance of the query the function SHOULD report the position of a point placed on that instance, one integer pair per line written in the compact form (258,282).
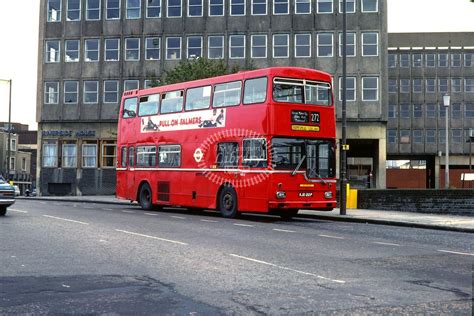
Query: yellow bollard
(351,197)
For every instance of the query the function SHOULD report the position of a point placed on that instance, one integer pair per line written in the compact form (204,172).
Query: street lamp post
(10,82)
(446,101)
(342,147)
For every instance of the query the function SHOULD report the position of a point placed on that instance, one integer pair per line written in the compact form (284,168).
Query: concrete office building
(423,67)
(91,51)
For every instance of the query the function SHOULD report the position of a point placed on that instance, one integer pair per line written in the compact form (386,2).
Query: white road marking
(128,211)
(178,217)
(108,209)
(385,243)
(244,225)
(88,207)
(19,211)
(151,214)
(284,230)
(209,221)
(289,269)
(13,257)
(66,286)
(65,219)
(42,202)
(456,252)
(328,236)
(153,237)
(101,240)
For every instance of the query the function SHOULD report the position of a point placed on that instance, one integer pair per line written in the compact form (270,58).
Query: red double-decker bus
(255,141)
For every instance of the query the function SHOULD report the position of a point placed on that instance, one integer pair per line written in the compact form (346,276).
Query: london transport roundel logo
(198,155)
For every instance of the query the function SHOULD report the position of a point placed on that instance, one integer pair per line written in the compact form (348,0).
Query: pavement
(393,218)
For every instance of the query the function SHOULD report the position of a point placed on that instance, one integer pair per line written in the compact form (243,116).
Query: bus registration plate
(305,194)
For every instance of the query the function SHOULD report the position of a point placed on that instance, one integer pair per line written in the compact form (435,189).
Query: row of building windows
(431,60)
(431,85)
(65,154)
(194,8)
(429,136)
(215,47)
(431,111)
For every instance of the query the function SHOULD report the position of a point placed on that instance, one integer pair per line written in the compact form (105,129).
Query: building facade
(424,67)
(91,51)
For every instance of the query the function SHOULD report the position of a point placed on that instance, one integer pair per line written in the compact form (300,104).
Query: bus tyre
(288,214)
(227,203)
(144,197)
(3,210)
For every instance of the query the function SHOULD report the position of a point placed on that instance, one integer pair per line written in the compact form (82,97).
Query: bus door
(131,188)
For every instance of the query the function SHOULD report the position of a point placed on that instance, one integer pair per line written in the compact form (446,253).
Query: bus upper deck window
(130,108)
(149,105)
(255,90)
(172,102)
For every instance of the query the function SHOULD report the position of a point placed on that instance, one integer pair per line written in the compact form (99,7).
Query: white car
(17,190)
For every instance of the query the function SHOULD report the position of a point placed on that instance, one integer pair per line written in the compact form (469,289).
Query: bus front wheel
(144,197)
(227,205)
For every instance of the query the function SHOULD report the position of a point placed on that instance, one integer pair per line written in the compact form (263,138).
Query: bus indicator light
(306,185)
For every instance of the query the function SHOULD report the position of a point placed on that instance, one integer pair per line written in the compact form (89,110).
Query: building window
(130,84)
(259,46)
(237,46)
(52,51)
(350,6)
(133,8)
(281,7)
(417,60)
(324,6)
(431,110)
(302,6)
(392,60)
(469,85)
(392,86)
(111,91)
(89,155)
(112,49)
(54,10)
(71,48)
(194,46)
(404,85)
(417,85)
(237,7)
(441,110)
(91,91)
(132,49)
(174,8)
(417,136)
(430,85)
(370,6)
(152,48)
(302,45)
(169,156)
(173,48)
(443,85)
(194,8)
(443,60)
(12,144)
(50,155)
(350,44)
(23,164)
(280,45)
(392,136)
(112,9)
(350,88)
(370,89)
(431,136)
(259,7)
(153,8)
(469,60)
(430,60)
(71,92)
(392,111)
(91,47)
(109,154)
(456,112)
(404,111)
(370,44)
(456,60)
(456,136)
(469,110)
(442,136)
(51,92)
(324,44)
(69,157)
(92,10)
(216,7)
(456,85)
(404,136)
(404,60)
(417,111)
(215,47)
(73,10)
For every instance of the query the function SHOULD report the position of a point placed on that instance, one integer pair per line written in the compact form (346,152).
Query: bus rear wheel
(144,197)
(227,203)
(3,210)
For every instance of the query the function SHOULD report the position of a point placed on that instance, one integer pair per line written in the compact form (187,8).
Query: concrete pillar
(379,162)
(436,169)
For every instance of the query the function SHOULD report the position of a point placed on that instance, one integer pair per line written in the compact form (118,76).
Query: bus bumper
(320,205)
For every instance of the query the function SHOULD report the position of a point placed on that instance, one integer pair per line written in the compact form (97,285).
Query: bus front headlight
(281,194)
(328,195)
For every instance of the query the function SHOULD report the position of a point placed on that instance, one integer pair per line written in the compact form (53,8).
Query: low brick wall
(456,201)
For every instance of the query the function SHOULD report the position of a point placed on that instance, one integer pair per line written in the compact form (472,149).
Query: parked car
(17,190)
(7,196)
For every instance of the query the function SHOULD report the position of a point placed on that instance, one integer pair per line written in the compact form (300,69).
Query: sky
(19,38)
